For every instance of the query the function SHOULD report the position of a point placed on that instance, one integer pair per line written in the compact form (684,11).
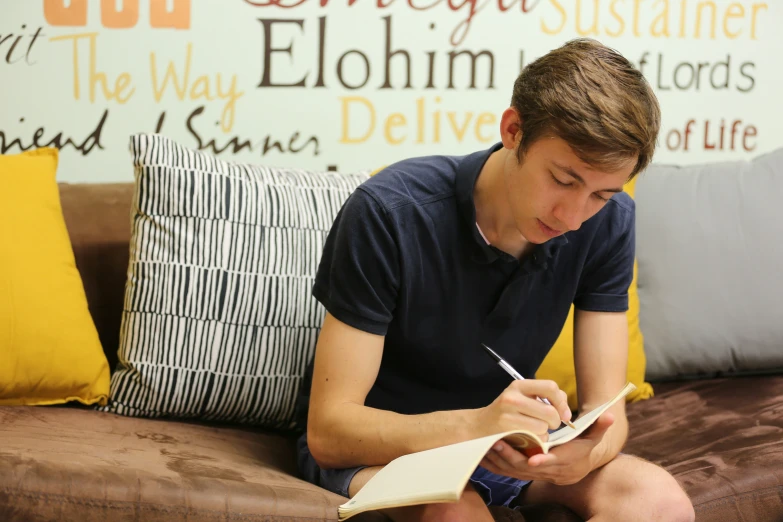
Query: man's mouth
(549,231)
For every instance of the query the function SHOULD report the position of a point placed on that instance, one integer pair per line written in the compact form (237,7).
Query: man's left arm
(601,359)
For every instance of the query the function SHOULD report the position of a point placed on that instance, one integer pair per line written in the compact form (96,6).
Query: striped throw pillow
(219,322)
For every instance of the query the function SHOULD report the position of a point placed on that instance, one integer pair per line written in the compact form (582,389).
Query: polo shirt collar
(468,172)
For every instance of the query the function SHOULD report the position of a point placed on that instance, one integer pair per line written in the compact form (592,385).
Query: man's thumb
(600,426)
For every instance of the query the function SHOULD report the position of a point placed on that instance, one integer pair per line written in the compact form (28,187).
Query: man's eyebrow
(571,172)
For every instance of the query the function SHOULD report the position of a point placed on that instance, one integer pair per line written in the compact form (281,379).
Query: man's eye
(560,182)
(600,197)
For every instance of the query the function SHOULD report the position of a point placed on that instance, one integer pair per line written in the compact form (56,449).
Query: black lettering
(58,141)
(431,71)
(680,67)
(30,47)
(312,139)
(725,65)
(321,49)
(189,125)
(473,58)
(366,69)
(266,78)
(390,54)
(276,145)
(748,76)
(660,69)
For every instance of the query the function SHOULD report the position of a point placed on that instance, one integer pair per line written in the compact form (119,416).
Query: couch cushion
(78,464)
(98,221)
(50,352)
(218,320)
(722,439)
(709,250)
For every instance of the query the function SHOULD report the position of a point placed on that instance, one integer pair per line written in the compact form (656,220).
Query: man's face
(552,191)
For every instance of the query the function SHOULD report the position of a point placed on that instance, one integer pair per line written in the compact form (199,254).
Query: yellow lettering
(593,28)
(662,19)
(636,17)
(756,8)
(171,72)
(75,38)
(436,123)
(420,120)
(123,81)
(730,13)
(459,132)
(616,15)
(345,138)
(200,89)
(682,19)
(562,11)
(395,119)
(699,9)
(96,77)
(485,118)
(232,95)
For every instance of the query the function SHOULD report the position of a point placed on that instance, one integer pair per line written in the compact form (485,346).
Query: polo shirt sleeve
(608,271)
(358,276)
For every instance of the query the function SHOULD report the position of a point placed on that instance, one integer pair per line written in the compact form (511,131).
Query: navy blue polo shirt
(405,259)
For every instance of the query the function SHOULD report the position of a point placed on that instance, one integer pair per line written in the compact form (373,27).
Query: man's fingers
(562,407)
(541,459)
(500,463)
(546,389)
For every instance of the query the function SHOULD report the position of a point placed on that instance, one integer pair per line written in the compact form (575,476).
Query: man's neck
(493,213)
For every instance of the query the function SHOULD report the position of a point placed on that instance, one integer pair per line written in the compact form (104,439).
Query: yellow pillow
(559,363)
(49,348)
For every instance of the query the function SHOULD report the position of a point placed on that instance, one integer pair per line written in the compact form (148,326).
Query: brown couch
(721,438)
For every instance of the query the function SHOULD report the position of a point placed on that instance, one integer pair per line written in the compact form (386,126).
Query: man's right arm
(342,432)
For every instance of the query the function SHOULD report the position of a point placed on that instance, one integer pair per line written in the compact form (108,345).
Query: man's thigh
(626,486)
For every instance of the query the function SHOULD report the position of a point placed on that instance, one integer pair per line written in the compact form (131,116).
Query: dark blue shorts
(496,490)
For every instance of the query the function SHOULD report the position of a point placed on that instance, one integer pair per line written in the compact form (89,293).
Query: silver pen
(515,374)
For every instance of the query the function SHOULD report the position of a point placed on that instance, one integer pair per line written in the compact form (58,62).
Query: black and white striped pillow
(219,322)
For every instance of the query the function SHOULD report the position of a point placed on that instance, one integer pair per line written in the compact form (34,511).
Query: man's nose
(569,213)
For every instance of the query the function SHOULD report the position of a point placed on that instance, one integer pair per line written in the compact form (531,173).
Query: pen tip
(491,352)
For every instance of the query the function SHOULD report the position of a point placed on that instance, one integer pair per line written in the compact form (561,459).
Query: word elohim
(359,117)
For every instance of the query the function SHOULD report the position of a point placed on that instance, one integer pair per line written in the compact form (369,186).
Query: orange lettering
(122,19)
(56,13)
(177,18)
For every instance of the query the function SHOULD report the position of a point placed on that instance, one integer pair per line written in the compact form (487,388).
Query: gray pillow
(710,254)
(219,322)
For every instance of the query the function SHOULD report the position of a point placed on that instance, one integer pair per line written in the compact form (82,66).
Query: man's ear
(510,129)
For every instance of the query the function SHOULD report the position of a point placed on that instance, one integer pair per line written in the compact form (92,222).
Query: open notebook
(441,474)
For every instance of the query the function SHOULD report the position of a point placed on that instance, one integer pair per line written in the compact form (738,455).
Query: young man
(435,255)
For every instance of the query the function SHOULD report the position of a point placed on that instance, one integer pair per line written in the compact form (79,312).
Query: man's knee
(662,497)
(672,502)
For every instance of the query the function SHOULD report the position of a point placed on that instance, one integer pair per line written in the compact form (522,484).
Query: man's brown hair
(594,99)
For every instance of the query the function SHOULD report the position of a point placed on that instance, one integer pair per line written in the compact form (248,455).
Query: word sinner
(294,144)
